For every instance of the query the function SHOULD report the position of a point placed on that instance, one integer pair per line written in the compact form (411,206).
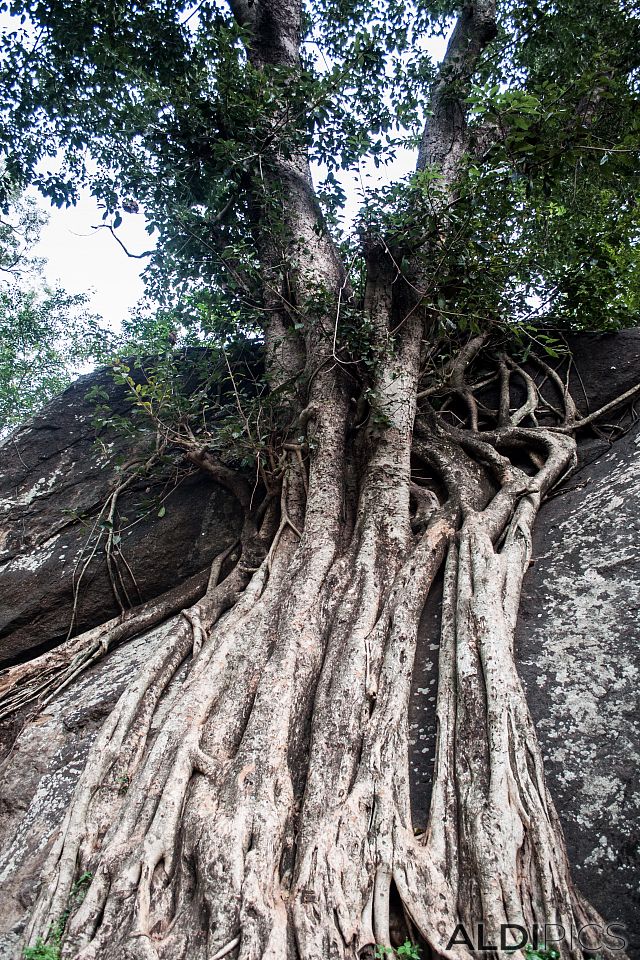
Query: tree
(269,814)
(46,335)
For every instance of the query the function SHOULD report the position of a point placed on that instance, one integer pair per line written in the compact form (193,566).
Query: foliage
(50,948)
(46,335)
(178,124)
(407,950)
(540,953)
(212,395)
(19,232)
(42,951)
(155,106)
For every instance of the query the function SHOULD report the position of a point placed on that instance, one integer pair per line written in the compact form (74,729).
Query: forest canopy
(156,108)
(47,336)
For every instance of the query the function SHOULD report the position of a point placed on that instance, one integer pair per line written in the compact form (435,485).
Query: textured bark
(265,745)
(269,814)
(40,679)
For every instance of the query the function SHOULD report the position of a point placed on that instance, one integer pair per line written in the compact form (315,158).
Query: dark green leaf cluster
(407,950)
(211,397)
(155,106)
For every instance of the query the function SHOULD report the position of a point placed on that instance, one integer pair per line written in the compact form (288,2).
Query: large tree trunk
(264,749)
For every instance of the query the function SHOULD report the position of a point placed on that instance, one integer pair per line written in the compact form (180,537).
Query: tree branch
(444,139)
(617,402)
(133,256)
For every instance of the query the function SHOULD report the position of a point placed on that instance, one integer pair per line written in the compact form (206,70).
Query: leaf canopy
(155,106)
(47,336)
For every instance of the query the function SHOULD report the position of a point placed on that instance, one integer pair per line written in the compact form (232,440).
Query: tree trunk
(265,746)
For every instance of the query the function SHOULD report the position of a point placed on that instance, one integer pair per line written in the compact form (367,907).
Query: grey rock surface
(579,655)
(55,476)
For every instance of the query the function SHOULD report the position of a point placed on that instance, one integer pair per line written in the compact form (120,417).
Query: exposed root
(267,814)
(194,619)
(226,950)
(38,681)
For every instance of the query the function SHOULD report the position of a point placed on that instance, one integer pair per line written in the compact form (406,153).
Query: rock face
(56,475)
(578,640)
(579,652)
(37,783)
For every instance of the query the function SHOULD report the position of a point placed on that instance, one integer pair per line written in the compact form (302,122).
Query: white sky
(84,260)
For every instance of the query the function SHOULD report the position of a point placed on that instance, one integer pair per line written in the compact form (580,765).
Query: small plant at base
(80,887)
(408,950)
(540,953)
(123,785)
(49,949)
(42,951)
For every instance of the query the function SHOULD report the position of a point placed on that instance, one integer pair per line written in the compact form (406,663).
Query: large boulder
(579,654)
(578,637)
(57,472)
(56,475)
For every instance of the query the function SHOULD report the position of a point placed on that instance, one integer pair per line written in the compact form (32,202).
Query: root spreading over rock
(264,748)
(248,797)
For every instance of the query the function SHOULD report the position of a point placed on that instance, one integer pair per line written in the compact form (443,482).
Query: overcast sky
(85,260)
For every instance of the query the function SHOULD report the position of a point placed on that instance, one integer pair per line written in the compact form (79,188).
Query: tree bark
(267,813)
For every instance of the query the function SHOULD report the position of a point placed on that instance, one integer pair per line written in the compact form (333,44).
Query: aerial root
(110,775)
(41,680)
(493,803)
(127,860)
(118,747)
(381,891)
(194,619)
(327,645)
(226,950)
